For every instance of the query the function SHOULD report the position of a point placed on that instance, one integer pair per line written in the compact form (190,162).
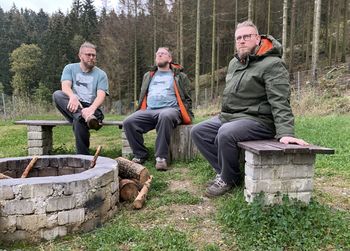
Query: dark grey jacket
(259,89)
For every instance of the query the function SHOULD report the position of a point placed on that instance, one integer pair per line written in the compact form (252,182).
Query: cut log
(128,189)
(93,161)
(141,197)
(131,170)
(3,176)
(181,145)
(29,167)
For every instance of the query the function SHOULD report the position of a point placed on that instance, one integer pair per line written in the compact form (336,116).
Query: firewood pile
(134,182)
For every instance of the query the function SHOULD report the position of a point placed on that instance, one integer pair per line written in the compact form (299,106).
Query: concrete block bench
(277,169)
(40,134)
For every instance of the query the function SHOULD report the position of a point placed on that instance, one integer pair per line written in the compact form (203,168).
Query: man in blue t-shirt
(164,103)
(84,88)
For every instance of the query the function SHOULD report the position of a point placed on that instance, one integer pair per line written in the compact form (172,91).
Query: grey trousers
(217,142)
(80,128)
(163,120)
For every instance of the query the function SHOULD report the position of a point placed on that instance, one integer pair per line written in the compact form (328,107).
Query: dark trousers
(217,142)
(80,128)
(163,120)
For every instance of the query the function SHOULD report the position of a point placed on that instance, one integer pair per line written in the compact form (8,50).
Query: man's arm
(88,111)
(73,103)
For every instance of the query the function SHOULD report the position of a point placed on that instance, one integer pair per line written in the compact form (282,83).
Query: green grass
(332,132)
(290,226)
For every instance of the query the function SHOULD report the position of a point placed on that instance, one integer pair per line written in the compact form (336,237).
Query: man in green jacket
(164,103)
(255,105)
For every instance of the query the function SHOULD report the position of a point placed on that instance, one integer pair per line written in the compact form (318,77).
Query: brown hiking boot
(93,123)
(161,164)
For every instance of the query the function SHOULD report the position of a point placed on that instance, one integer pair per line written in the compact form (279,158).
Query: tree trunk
(217,66)
(135,57)
(336,54)
(284,29)
(315,39)
(268,16)
(213,52)
(292,31)
(250,10)
(131,170)
(181,34)
(154,27)
(330,36)
(236,13)
(308,34)
(197,55)
(345,33)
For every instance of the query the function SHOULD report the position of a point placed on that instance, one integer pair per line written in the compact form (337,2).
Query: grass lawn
(178,217)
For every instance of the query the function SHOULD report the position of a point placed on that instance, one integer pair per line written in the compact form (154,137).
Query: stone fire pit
(61,195)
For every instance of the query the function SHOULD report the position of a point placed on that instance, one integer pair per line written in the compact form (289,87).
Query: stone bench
(277,169)
(40,134)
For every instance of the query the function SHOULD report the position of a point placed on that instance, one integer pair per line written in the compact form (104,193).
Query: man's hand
(73,104)
(87,112)
(291,140)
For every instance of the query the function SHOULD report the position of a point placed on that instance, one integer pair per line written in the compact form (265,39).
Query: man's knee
(58,95)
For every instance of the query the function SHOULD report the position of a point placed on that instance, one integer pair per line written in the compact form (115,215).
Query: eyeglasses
(90,55)
(246,37)
(161,53)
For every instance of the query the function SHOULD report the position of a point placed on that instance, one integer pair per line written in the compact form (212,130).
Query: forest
(35,46)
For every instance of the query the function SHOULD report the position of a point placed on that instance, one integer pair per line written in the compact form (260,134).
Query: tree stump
(181,145)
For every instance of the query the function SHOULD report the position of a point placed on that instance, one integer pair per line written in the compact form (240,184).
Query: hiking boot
(219,187)
(161,164)
(93,123)
(138,160)
(211,182)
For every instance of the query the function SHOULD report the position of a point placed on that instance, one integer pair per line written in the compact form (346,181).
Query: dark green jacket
(183,95)
(259,89)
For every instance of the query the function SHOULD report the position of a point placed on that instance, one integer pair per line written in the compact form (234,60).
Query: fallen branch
(132,170)
(3,176)
(93,161)
(29,167)
(141,197)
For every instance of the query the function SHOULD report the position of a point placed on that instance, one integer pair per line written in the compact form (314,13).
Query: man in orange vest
(164,103)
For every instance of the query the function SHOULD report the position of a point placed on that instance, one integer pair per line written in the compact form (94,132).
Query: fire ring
(60,196)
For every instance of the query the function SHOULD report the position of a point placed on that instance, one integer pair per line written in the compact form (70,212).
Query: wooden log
(141,197)
(93,161)
(29,167)
(128,189)
(3,176)
(131,170)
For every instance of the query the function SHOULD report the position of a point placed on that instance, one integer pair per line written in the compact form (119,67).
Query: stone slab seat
(39,134)
(277,169)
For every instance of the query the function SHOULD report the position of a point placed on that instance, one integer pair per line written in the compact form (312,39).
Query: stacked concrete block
(39,139)
(48,207)
(126,149)
(279,174)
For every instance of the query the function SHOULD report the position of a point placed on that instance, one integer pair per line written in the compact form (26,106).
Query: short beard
(162,64)
(244,55)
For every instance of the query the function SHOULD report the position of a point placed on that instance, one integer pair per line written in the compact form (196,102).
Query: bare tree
(284,29)
(315,39)
(250,9)
(213,51)
(291,37)
(345,33)
(197,54)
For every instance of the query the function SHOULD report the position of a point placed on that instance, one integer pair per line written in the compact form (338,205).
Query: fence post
(206,97)
(3,102)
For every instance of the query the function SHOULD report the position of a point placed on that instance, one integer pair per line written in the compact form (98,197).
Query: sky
(50,6)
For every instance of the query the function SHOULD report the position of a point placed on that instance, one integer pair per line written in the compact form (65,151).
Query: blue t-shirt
(161,91)
(85,84)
